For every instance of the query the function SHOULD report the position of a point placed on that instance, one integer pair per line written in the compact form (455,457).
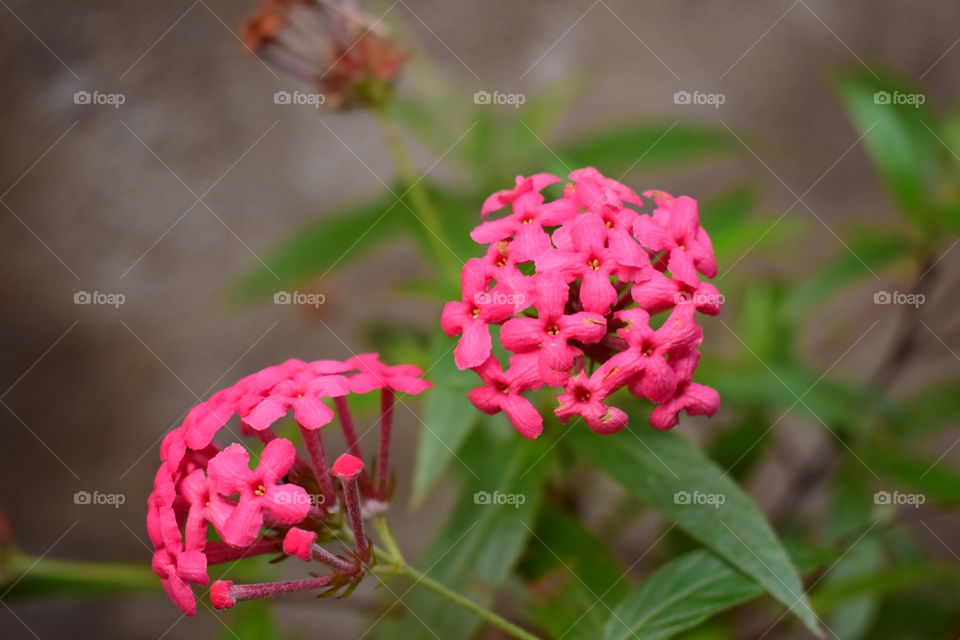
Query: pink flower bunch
(285,500)
(572,286)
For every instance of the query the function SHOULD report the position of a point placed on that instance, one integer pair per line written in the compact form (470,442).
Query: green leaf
(936,480)
(899,135)
(869,250)
(478,546)
(571,575)
(331,242)
(931,409)
(678,596)
(669,473)
(640,146)
(448,416)
(253,621)
(52,578)
(739,447)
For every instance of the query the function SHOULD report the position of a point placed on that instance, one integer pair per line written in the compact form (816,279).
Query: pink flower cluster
(572,286)
(280,504)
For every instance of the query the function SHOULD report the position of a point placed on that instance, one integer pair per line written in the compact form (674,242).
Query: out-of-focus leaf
(483,538)
(253,621)
(936,480)
(638,146)
(931,409)
(916,617)
(573,577)
(28,577)
(670,473)
(333,241)
(899,134)
(448,416)
(875,248)
(740,446)
(765,328)
(883,582)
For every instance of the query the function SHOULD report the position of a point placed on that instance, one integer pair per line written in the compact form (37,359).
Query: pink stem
(386,426)
(351,499)
(346,421)
(220,552)
(270,589)
(339,564)
(318,455)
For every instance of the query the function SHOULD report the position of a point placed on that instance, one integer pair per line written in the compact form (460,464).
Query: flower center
(594,264)
(260,490)
(502,262)
(476,313)
(504,388)
(553,330)
(582,394)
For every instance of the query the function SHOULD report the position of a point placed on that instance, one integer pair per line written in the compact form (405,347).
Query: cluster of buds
(288,502)
(333,45)
(574,286)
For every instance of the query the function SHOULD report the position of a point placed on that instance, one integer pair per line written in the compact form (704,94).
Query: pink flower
(471,316)
(584,397)
(550,332)
(502,389)
(525,190)
(176,570)
(205,507)
(299,543)
(583,254)
(230,474)
(675,228)
(374,374)
(660,293)
(303,395)
(695,399)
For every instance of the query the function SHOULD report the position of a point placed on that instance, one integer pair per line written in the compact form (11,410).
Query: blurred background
(186,177)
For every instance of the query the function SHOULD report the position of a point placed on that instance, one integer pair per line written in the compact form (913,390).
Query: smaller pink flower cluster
(572,285)
(281,504)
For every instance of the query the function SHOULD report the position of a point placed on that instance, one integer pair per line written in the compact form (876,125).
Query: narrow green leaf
(638,146)
(685,486)
(53,578)
(935,480)
(678,596)
(869,250)
(931,409)
(571,577)
(899,134)
(482,540)
(331,242)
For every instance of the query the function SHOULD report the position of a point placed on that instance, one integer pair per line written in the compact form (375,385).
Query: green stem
(414,187)
(28,576)
(396,564)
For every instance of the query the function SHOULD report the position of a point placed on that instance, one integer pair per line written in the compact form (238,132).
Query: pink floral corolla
(216,500)
(572,286)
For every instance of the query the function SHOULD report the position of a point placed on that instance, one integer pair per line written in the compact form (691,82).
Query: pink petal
(474,346)
(229,470)
(268,411)
(243,526)
(521,334)
(311,412)
(585,327)
(596,292)
(523,415)
(494,230)
(288,503)
(277,458)
(681,267)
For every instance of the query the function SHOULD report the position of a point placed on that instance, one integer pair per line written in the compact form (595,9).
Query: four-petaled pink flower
(230,474)
(584,397)
(301,395)
(502,392)
(373,374)
(471,317)
(550,332)
(675,228)
(525,190)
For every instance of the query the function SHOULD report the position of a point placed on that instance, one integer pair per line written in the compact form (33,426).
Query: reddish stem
(220,552)
(351,499)
(240,592)
(346,421)
(386,427)
(318,456)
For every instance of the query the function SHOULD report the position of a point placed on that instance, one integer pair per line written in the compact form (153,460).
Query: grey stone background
(99,199)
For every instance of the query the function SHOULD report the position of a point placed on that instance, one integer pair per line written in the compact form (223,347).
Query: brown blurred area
(172,196)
